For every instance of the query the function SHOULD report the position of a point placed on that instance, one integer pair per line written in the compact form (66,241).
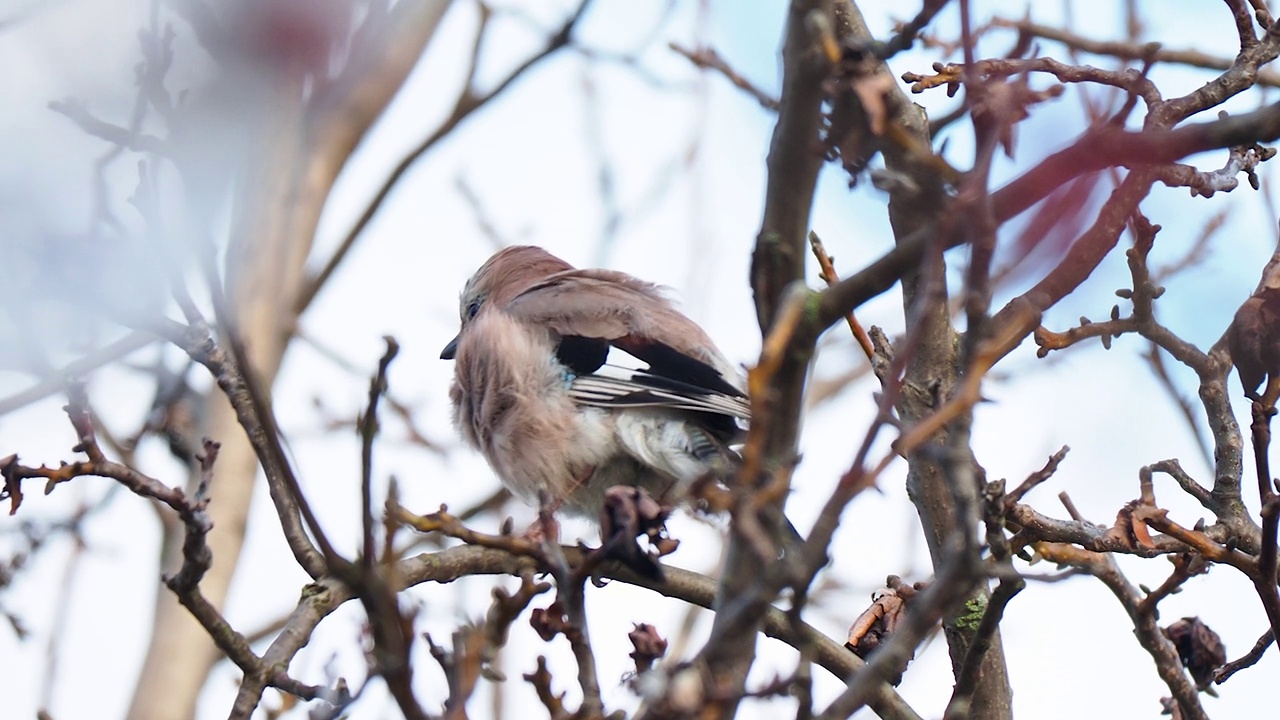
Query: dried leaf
(871,90)
(1199,648)
(649,646)
(1254,340)
(549,621)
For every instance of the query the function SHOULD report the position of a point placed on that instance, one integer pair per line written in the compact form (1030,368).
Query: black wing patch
(582,355)
(672,380)
(667,363)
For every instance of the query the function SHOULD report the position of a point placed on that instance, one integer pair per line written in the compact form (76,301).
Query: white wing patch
(644,390)
(668,445)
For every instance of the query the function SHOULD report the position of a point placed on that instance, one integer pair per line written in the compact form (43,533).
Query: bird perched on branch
(537,389)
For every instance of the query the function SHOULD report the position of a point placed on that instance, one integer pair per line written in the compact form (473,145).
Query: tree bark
(932,374)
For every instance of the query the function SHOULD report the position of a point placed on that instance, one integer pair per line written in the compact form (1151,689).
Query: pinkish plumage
(529,395)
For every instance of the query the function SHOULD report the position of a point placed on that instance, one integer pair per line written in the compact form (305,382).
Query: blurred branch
(776,385)
(708,59)
(1095,150)
(908,32)
(468,102)
(1131,50)
(1199,250)
(1156,361)
(76,112)
(56,382)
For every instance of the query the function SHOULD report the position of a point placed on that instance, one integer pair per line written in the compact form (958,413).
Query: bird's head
(503,276)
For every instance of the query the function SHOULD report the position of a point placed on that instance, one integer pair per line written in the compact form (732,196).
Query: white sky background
(1070,647)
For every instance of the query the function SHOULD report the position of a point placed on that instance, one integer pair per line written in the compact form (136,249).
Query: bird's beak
(450,350)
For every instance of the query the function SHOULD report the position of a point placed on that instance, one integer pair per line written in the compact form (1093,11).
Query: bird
(571,382)
(1253,339)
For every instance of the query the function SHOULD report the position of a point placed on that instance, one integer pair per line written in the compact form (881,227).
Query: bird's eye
(472,308)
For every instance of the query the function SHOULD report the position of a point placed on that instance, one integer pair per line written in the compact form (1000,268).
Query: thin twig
(1249,659)
(830,277)
(708,59)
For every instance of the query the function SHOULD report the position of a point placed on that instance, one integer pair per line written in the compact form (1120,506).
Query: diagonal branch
(467,104)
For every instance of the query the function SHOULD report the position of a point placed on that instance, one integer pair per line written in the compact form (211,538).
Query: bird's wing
(643,389)
(593,309)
